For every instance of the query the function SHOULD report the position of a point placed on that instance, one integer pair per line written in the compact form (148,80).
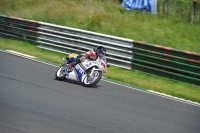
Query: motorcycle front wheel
(92,79)
(60,73)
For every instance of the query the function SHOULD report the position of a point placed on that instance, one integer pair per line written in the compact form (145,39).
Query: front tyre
(92,79)
(60,73)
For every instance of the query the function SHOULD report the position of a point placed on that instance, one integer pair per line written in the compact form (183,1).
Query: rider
(91,54)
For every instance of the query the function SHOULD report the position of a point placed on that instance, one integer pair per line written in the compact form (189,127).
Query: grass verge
(135,78)
(109,17)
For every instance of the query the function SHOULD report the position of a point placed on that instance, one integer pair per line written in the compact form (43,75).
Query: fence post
(193,11)
(166,7)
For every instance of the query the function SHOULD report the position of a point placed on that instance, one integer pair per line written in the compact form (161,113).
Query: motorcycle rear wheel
(60,73)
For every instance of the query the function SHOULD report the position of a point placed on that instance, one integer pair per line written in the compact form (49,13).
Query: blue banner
(148,5)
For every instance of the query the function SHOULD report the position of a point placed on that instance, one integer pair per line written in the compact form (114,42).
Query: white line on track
(19,54)
(159,94)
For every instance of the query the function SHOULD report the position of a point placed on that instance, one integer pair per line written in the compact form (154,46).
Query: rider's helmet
(100,51)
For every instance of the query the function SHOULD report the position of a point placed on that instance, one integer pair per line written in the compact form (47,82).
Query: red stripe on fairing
(103,64)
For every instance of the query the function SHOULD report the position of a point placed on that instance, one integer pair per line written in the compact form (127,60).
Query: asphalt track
(32,101)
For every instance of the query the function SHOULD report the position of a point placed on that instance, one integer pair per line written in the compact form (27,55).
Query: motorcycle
(88,73)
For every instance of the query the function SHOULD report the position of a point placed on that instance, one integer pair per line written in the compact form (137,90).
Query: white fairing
(87,72)
(79,70)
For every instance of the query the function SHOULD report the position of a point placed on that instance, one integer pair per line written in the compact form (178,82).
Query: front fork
(91,72)
(87,74)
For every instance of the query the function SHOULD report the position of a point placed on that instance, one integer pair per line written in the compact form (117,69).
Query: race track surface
(32,101)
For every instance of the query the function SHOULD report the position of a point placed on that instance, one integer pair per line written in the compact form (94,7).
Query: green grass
(26,48)
(109,17)
(135,78)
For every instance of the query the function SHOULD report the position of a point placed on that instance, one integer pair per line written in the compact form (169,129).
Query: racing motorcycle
(88,73)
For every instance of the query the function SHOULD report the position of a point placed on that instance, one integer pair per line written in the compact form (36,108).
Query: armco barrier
(167,62)
(18,28)
(155,59)
(67,40)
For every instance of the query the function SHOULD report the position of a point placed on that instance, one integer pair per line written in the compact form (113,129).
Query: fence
(187,10)
(68,40)
(167,62)
(129,54)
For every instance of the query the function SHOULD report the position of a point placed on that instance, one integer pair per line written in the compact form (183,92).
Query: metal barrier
(125,53)
(68,40)
(167,62)
(18,28)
